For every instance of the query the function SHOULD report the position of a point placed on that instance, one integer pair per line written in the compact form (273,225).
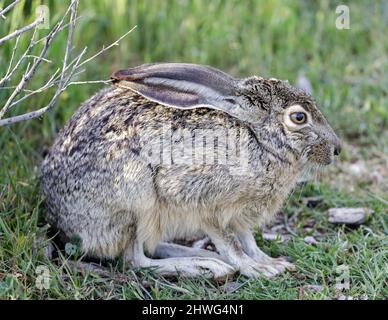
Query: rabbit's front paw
(267,269)
(258,270)
(282,265)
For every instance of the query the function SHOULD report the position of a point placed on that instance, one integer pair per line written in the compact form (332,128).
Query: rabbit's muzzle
(323,152)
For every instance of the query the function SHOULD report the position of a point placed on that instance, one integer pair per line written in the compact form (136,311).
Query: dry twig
(62,77)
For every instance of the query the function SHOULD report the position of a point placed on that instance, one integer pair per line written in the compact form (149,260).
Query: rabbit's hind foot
(183,266)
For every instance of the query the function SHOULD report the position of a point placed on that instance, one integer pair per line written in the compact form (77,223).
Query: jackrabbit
(175,150)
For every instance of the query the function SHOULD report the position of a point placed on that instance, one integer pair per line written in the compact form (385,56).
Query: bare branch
(19,62)
(62,78)
(21,30)
(9,7)
(7,74)
(38,113)
(69,42)
(27,76)
(116,43)
(64,26)
(36,57)
(50,83)
(90,82)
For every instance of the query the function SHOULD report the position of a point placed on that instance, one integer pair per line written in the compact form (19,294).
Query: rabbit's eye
(298,117)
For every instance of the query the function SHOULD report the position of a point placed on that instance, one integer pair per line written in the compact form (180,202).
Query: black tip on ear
(120,75)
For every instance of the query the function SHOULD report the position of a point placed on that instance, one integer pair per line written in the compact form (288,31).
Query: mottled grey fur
(100,186)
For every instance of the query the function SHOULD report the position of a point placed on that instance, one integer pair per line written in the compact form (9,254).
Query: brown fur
(100,185)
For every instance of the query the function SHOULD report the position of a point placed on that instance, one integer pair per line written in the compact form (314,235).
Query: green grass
(347,69)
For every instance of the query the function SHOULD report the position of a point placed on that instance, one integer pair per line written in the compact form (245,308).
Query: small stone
(313,287)
(351,216)
(310,240)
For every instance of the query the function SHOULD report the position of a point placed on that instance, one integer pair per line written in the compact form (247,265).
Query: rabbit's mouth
(321,153)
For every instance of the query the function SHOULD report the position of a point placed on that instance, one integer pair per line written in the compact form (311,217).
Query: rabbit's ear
(186,86)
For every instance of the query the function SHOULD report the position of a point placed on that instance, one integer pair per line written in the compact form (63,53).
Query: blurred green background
(348,70)
(280,38)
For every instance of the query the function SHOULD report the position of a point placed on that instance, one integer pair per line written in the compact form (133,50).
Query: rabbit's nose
(337,145)
(337,149)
